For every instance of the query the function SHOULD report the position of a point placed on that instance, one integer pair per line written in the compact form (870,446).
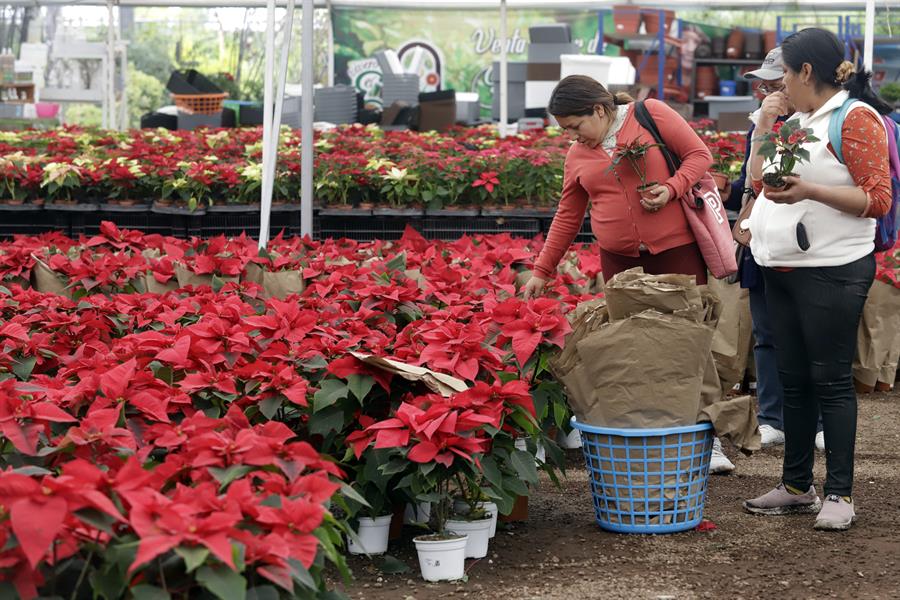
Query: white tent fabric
(272,112)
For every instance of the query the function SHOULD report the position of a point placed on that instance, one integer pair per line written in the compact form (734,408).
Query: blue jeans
(768,384)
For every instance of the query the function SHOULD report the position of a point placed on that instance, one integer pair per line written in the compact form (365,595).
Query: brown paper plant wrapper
(253,273)
(440,383)
(186,277)
(733,340)
(646,380)
(47,280)
(631,292)
(644,371)
(878,337)
(155,287)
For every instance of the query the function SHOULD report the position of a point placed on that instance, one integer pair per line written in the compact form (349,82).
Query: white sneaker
(719,463)
(771,436)
(820,441)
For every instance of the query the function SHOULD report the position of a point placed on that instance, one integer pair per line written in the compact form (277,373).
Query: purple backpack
(886,226)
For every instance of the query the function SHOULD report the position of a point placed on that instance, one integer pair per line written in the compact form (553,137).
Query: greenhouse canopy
(273,99)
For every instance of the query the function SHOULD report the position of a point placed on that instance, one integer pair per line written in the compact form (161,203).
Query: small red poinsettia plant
(457,444)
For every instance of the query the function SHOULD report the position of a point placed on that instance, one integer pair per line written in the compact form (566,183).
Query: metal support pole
(504,74)
(306,135)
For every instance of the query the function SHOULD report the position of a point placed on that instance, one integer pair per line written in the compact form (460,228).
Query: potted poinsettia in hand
(635,154)
(783,150)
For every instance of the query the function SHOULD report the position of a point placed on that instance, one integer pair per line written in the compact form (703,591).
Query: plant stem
(83,573)
(162,575)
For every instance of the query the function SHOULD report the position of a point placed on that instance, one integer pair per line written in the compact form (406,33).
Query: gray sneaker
(781,502)
(836,515)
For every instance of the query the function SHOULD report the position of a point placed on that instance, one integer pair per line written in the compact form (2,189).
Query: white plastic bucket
(373,536)
(461,508)
(478,532)
(442,560)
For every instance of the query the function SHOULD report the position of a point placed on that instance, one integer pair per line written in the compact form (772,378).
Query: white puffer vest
(835,238)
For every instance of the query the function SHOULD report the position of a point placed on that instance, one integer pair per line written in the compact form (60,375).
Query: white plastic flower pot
(417,514)
(372,534)
(441,560)
(571,441)
(461,508)
(478,532)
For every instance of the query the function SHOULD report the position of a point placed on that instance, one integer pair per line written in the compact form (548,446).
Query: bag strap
(645,119)
(835,123)
(892,135)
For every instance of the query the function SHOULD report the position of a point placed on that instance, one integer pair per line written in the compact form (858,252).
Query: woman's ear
(806,74)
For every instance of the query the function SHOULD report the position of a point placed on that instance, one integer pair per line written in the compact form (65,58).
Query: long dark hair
(577,95)
(825,53)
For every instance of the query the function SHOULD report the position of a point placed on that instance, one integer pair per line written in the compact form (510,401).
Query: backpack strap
(645,120)
(835,123)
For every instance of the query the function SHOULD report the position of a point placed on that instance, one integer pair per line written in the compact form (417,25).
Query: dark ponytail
(860,87)
(577,95)
(825,53)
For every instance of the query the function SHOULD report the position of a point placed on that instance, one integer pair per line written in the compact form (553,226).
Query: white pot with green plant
(371,521)
(471,517)
(371,536)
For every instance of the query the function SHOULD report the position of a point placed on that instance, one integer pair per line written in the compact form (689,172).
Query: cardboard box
(191,122)
(554,33)
(468,107)
(515,102)
(550,53)
(544,71)
(537,93)
(515,71)
(438,112)
(734,121)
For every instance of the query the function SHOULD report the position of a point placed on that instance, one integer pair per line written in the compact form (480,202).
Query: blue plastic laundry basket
(647,480)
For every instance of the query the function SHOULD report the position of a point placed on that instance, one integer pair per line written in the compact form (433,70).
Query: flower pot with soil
(783,150)
(371,536)
(461,507)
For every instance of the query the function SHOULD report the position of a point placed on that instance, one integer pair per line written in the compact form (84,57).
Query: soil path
(560,553)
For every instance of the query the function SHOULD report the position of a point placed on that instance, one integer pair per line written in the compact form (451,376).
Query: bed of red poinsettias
(170,440)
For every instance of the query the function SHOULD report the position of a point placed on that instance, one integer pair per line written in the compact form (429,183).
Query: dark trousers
(683,260)
(815,315)
(768,383)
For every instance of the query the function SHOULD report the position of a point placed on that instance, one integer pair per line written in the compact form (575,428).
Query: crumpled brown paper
(642,358)
(186,277)
(445,385)
(878,337)
(47,280)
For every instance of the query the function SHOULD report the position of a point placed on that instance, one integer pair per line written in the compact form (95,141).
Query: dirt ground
(560,552)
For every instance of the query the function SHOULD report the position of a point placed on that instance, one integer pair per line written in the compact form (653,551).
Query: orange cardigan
(618,221)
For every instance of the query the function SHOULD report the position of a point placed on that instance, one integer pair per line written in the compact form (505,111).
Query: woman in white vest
(814,242)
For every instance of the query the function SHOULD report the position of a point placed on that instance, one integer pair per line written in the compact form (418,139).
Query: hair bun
(844,72)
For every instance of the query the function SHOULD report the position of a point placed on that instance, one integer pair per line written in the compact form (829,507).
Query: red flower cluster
(181,422)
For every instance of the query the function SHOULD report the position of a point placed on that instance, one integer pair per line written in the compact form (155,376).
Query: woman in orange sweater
(632,232)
